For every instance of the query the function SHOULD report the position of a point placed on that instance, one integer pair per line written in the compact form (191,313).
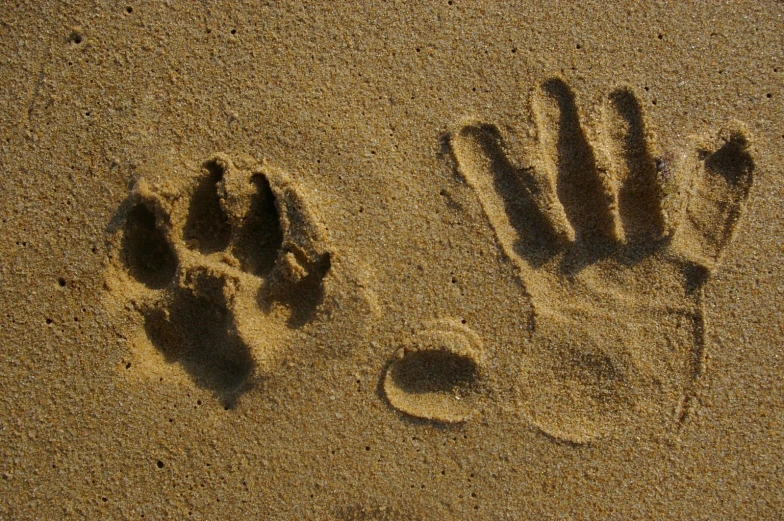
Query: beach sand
(384,261)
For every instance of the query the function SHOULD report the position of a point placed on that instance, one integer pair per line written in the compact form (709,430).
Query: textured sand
(458,260)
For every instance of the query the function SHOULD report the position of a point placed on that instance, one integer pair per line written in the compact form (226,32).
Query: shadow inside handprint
(613,245)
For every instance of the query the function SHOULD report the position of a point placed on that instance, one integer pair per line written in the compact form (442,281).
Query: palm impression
(613,241)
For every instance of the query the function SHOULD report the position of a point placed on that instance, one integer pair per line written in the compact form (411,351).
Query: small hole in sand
(75,37)
(128,365)
(61,282)
(234,31)
(160,464)
(768,95)
(49,321)
(129,9)
(660,36)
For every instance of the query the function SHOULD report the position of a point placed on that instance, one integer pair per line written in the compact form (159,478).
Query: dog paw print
(221,269)
(613,241)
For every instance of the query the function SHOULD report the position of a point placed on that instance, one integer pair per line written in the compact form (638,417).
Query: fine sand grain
(450,260)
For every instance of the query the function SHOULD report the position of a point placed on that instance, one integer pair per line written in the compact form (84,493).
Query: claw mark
(39,82)
(36,92)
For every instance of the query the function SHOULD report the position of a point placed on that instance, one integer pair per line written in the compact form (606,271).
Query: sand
(455,260)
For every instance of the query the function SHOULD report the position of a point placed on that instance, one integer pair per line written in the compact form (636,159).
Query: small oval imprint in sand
(437,376)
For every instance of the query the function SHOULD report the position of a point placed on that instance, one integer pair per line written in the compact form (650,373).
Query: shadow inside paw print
(260,237)
(207,228)
(210,351)
(613,241)
(148,256)
(226,266)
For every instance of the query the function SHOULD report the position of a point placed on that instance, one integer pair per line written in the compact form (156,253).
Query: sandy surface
(446,261)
